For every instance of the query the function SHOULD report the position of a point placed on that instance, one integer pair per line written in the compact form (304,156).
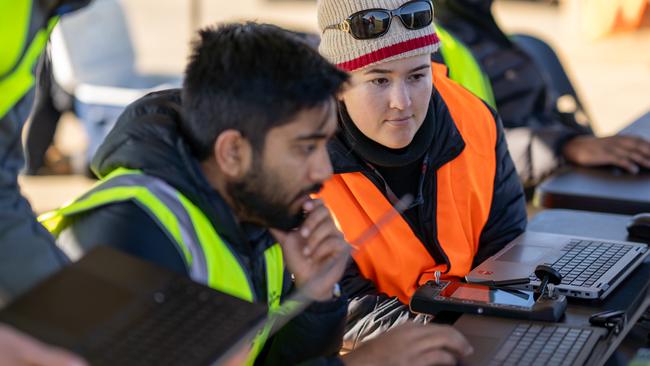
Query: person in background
(543,129)
(50,102)
(27,251)
(406,129)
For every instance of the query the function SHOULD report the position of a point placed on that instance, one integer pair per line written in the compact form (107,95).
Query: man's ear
(233,153)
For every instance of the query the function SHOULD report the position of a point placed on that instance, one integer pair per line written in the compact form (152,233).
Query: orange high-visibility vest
(395,259)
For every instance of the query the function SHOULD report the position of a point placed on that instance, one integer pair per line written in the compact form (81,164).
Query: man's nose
(321,169)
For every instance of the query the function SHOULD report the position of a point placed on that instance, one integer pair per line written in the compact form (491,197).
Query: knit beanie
(351,54)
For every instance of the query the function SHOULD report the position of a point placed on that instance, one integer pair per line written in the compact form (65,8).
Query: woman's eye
(379,81)
(416,77)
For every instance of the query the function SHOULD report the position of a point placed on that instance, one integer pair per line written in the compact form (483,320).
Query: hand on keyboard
(412,344)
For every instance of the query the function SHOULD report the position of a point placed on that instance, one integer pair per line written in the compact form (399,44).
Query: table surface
(633,295)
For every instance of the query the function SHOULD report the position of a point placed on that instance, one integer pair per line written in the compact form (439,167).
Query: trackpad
(524,254)
(484,349)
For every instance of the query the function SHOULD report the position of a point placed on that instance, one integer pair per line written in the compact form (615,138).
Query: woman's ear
(232,153)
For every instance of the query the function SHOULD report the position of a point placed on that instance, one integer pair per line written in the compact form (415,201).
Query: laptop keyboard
(531,344)
(585,262)
(183,324)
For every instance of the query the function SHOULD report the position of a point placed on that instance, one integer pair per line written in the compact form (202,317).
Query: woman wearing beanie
(405,128)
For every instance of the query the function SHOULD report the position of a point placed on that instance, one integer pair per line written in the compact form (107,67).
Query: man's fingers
(639,151)
(332,270)
(642,146)
(620,158)
(632,148)
(632,143)
(317,215)
(639,159)
(324,231)
(328,273)
(331,246)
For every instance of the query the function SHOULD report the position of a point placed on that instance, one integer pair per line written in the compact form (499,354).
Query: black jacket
(147,137)
(370,312)
(536,129)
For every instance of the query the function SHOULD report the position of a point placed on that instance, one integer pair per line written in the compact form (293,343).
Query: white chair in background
(93,60)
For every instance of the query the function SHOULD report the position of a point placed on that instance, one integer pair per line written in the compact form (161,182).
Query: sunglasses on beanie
(374,23)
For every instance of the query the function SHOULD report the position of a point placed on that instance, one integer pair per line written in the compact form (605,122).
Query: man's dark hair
(251,77)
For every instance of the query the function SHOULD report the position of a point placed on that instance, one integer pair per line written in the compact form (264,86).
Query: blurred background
(607,55)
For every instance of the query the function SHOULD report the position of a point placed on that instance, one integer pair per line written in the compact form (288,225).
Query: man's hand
(412,345)
(19,349)
(316,252)
(626,152)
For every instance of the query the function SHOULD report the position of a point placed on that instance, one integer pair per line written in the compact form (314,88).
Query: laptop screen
(79,316)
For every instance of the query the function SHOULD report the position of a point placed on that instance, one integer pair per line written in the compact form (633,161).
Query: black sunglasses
(373,23)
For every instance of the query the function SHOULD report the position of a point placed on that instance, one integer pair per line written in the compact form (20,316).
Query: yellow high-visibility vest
(208,258)
(464,68)
(19,54)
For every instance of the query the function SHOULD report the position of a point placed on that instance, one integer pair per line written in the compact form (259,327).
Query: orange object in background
(604,17)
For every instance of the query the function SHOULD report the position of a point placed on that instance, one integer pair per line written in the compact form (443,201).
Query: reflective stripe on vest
(208,258)
(463,67)
(395,259)
(18,58)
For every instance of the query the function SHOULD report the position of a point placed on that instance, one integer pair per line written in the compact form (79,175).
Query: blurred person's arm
(19,349)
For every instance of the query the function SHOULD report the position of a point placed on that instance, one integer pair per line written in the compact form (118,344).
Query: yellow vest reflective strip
(463,67)
(17,59)
(275,279)
(209,259)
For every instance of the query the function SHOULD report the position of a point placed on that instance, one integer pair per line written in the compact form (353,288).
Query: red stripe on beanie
(389,51)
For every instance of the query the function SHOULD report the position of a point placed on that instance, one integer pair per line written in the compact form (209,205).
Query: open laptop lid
(104,290)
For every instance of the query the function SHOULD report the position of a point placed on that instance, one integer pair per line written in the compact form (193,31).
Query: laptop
(114,309)
(591,268)
(512,342)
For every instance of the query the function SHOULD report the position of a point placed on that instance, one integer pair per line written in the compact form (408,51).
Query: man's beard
(259,198)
